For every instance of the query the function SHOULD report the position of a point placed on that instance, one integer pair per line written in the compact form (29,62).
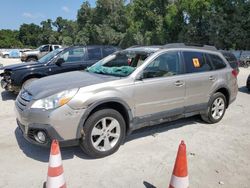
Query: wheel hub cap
(218,108)
(105,134)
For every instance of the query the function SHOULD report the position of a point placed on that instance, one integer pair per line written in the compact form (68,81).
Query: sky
(14,13)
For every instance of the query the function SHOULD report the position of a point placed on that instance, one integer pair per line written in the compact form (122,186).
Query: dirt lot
(216,153)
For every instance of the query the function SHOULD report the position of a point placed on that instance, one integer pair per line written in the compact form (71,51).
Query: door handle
(179,83)
(212,78)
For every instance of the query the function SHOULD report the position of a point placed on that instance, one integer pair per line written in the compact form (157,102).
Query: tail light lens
(234,73)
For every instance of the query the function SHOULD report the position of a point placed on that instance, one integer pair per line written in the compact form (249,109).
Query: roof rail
(134,46)
(188,45)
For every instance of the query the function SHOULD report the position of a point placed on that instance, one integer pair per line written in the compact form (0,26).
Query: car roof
(141,49)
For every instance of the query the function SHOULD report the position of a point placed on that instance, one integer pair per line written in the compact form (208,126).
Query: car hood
(51,85)
(19,66)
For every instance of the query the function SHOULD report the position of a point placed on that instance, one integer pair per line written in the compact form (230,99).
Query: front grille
(23,99)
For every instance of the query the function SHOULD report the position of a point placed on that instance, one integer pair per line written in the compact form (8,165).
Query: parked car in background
(243,57)
(130,89)
(248,83)
(232,60)
(5,53)
(72,58)
(34,55)
(15,53)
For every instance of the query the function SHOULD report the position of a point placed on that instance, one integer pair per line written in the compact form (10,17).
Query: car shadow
(148,185)
(156,129)
(42,153)
(244,89)
(6,95)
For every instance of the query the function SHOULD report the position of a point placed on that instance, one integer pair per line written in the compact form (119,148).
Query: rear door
(94,54)
(161,91)
(200,78)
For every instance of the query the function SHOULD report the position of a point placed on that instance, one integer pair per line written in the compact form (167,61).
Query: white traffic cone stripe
(179,182)
(55,160)
(55,182)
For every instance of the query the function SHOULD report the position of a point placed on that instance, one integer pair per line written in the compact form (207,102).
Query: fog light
(41,137)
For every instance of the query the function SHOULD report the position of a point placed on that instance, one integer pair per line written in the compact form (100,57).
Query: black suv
(70,59)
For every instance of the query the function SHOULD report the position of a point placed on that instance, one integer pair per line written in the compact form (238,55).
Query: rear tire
(104,131)
(216,108)
(6,56)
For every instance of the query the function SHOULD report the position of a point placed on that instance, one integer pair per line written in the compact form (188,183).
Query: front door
(161,91)
(71,60)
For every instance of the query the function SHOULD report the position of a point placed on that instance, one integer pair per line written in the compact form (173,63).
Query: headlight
(56,100)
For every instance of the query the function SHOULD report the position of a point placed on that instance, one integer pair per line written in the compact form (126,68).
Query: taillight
(234,73)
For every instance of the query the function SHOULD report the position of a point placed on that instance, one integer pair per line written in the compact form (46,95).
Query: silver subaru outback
(130,89)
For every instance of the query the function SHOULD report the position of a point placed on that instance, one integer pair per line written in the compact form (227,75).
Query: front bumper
(23,58)
(61,124)
(8,86)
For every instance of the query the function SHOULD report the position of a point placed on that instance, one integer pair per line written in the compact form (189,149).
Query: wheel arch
(116,104)
(225,91)
(31,56)
(27,77)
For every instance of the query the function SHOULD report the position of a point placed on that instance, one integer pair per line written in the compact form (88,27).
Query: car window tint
(217,61)
(73,55)
(94,53)
(165,65)
(55,47)
(107,51)
(196,62)
(45,48)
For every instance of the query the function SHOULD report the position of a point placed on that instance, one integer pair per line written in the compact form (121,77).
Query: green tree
(29,34)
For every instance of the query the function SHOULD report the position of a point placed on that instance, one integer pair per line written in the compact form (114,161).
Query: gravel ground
(218,155)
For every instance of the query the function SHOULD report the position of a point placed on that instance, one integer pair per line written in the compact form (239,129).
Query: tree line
(223,23)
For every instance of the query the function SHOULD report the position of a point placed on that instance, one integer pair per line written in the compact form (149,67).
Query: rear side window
(94,53)
(196,62)
(108,50)
(218,63)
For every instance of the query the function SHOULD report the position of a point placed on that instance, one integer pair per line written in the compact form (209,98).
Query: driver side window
(45,48)
(165,65)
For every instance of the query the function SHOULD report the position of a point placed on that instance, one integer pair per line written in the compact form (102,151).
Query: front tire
(31,59)
(104,131)
(216,108)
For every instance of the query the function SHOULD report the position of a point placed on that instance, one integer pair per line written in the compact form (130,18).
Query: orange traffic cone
(179,178)
(55,178)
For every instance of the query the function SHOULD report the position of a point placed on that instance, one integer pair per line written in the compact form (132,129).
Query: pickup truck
(34,55)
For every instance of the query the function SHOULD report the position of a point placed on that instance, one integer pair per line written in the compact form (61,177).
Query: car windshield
(50,56)
(120,64)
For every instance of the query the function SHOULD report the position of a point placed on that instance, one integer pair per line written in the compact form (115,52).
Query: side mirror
(59,61)
(139,77)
